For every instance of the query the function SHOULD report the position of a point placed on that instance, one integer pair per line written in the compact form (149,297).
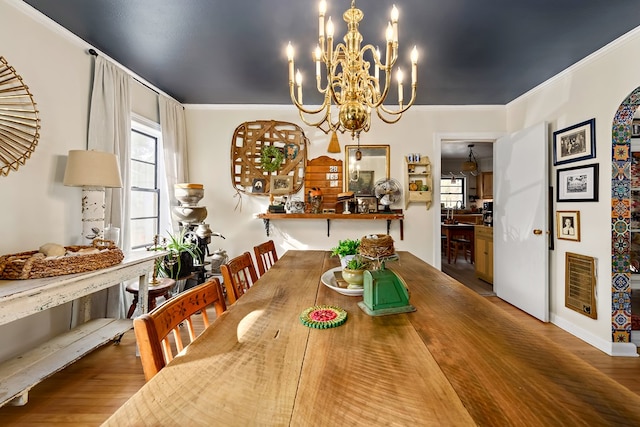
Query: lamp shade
(469,166)
(92,169)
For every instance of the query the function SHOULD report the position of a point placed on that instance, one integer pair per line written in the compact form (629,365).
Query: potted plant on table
(179,262)
(346,250)
(353,272)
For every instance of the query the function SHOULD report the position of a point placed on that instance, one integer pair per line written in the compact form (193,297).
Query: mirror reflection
(364,165)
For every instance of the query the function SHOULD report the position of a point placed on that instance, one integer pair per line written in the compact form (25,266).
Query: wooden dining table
(458,230)
(457,360)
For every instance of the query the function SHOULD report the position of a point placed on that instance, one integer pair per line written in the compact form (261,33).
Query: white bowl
(189,196)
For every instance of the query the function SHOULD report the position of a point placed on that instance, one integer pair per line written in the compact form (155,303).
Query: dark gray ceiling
(232,51)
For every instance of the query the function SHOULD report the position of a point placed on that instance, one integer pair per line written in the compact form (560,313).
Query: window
(452,192)
(146,167)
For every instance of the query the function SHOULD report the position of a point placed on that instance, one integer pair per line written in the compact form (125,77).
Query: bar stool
(460,243)
(162,289)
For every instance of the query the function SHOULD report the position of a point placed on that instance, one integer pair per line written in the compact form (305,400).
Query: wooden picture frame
(577,142)
(365,158)
(281,184)
(258,185)
(367,204)
(568,225)
(577,184)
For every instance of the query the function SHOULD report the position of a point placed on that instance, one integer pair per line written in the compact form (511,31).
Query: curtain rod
(140,80)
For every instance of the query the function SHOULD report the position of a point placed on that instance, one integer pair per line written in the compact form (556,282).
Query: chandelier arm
(402,109)
(319,124)
(385,92)
(337,81)
(396,116)
(331,63)
(326,117)
(301,107)
(378,61)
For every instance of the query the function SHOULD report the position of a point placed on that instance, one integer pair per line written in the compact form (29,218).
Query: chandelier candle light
(352,76)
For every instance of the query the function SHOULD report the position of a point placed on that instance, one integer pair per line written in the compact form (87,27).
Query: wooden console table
(21,298)
(394,215)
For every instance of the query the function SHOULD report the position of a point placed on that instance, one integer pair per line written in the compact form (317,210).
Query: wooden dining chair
(153,329)
(460,243)
(266,256)
(238,274)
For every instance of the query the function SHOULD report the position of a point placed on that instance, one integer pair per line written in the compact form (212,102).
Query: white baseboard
(617,349)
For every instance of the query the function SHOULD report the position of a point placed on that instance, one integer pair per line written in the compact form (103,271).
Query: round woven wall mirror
(19,121)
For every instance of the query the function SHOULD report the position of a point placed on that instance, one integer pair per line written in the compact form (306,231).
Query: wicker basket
(34,265)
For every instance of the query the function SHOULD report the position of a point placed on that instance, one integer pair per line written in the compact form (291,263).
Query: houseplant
(179,262)
(346,250)
(353,272)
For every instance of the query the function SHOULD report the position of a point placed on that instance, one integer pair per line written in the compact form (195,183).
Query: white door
(520,208)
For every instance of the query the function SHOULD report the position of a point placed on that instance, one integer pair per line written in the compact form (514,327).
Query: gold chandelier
(352,77)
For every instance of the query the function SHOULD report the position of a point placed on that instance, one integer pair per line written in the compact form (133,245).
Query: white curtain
(110,130)
(174,141)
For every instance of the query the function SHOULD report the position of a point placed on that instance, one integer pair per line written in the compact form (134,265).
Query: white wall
(210,131)
(36,207)
(595,87)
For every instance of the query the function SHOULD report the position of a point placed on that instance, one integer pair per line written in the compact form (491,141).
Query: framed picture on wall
(258,185)
(577,142)
(568,225)
(281,184)
(577,184)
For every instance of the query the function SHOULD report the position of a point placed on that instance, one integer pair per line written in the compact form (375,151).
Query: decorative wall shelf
(418,183)
(395,214)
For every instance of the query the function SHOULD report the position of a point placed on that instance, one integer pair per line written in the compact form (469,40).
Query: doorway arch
(621,219)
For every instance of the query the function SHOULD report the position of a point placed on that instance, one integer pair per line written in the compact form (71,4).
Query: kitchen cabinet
(417,182)
(486,185)
(484,253)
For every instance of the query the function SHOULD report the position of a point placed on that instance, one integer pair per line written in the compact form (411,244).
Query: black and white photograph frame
(577,184)
(258,185)
(568,225)
(577,142)
(281,184)
(367,204)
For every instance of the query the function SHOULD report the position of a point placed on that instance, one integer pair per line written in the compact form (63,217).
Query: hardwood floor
(465,272)
(88,391)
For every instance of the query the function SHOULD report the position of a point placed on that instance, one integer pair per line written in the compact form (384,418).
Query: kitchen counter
(466,218)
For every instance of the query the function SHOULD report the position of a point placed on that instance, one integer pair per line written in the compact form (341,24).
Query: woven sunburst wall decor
(19,121)
(263,148)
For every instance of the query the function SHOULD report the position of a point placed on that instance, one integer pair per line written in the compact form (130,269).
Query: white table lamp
(93,171)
